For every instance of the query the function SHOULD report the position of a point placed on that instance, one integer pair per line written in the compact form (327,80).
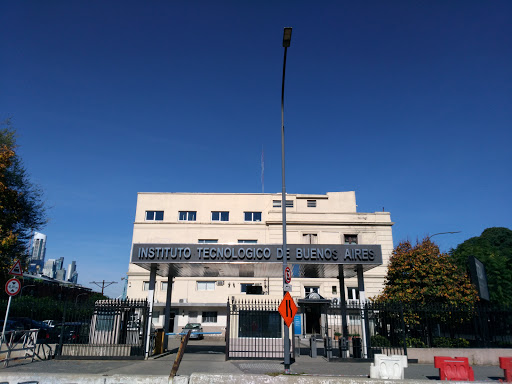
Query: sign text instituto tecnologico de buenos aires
(297,253)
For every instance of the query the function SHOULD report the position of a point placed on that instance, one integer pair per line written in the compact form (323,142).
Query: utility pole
(103,283)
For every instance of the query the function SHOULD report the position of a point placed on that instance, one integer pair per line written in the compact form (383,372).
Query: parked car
(74,332)
(44,330)
(195,327)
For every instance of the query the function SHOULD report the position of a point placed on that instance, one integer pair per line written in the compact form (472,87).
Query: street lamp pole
(287,37)
(441,233)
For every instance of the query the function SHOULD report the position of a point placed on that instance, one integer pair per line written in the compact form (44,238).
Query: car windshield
(192,325)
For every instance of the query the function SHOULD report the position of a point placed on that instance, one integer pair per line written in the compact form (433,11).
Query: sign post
(12,288)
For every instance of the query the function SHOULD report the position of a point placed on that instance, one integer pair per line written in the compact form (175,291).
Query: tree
(494,249)
(21,206)
(420,274)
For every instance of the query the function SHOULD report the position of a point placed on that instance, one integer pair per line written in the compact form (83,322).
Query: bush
(413,342)
(446,342)
(379,341)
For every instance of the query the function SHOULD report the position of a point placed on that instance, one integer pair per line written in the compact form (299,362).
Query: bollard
(328,348)
(312,346)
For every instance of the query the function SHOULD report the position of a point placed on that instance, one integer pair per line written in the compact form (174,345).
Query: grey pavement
(203,356)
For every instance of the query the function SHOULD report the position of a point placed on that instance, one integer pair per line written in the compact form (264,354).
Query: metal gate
(115,329)
(254,330)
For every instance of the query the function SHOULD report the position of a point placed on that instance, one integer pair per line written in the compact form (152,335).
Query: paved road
(205,357)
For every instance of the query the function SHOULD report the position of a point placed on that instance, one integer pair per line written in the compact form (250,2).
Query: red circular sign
(287,275)
(13,287)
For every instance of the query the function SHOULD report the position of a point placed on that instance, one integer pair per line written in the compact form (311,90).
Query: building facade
(228,218)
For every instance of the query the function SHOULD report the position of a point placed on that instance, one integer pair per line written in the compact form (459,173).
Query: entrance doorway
(313,319)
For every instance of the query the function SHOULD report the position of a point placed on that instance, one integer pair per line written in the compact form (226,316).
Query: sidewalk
(203,356)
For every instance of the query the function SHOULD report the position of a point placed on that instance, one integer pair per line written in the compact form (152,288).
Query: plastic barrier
(388,367)
(506,365)
(454,368)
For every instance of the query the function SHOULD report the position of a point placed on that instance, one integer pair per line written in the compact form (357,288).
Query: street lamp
(287,37)
(442,233)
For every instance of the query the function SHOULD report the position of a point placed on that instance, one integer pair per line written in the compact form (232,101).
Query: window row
(192,216)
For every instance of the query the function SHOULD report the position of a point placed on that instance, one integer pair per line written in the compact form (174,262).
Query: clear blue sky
(406,102)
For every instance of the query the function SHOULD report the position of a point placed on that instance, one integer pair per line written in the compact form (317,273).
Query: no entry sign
(287,275)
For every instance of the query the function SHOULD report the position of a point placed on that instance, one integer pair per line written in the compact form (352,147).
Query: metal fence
(254,330)
(89,329)
(111,329)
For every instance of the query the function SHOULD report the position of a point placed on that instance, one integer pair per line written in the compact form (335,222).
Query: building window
(277,203)
(308,290)
(206,285)
(252,216)
(247,241)
(145,286)
(334,290)
(350,239)
(220,216)
(310,238)
(163,286)
(154,215)
(187,216)
(353,293)
(210,317)
(243,287)
(311,203)
(192,316)
(207,241)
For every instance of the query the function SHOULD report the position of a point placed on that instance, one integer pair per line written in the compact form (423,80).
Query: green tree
(420,274)
(494,249)
(21,206)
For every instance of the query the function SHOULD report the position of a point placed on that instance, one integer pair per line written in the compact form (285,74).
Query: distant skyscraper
(38,253)
(49,268)
(72,274)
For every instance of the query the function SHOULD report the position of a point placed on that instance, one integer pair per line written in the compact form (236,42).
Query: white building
(200,291)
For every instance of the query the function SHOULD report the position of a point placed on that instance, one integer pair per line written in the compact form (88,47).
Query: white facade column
(151,298)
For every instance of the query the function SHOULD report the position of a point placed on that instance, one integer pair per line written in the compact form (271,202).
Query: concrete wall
(482,356)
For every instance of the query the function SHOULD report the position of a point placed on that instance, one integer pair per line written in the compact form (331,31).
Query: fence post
(61,338)
(404,333)
(227,332)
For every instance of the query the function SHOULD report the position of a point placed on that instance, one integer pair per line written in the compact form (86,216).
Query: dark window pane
(191,216)
(224,216)
(150,215)
(248,216)
(159,215)
(183,215)
(215,216)
(257,216)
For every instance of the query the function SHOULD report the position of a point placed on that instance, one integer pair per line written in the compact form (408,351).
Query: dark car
(43,335)
(72,332)
(195,327)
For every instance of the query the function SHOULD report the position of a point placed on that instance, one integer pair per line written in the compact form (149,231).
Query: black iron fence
(254,330)
(393,327)
(104,328)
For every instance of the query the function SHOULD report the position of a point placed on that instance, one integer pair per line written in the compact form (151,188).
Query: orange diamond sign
(287,309)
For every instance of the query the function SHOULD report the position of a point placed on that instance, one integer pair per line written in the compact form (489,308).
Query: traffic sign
(287,309)
(13,287)
(287,275)
(16,269)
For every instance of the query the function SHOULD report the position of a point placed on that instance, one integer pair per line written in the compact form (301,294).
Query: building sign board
(225,253)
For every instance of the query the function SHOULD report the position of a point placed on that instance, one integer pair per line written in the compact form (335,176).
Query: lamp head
(287,37)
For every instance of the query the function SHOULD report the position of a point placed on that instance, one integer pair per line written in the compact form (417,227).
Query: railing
(18,345)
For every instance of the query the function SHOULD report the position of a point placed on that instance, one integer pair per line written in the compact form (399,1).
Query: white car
(195,327)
